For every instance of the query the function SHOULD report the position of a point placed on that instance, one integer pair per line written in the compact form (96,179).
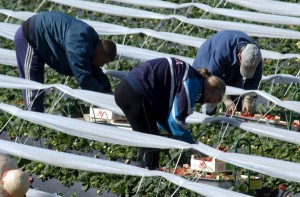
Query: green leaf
(85,186)
(243,188)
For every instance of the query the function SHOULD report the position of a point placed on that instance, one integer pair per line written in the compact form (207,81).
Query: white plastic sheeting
(79,162)
(276,55)
(281,78)
(120,74)
(8,30)
(106,133)
(92,131)
(8,57)
(19,83)
(121,136)
(291,105)
(217,25)
(21,15)
(110,29)
(37,193)
(145,54)
(241,14)
(277,78)
(270,6)
(107,101)
(105,29)
(259,129)
(98,99)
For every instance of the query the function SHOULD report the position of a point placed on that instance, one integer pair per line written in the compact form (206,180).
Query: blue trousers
(30,66)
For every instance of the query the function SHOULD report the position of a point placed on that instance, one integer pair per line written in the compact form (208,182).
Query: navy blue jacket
(172,88)
(68,46)
(219,55)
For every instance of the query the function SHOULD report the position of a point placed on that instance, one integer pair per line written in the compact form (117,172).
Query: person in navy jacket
(163,92)
(69,46)
(232,55)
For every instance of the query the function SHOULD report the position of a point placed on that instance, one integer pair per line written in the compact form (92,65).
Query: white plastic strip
(281,78)
(145,54)
(270,6)
(21,15)
(92,131)
(67,160)
(259,129)
(8,57)
(277,78)
(255,163)
(87,130)
(8,30)
(155,4)
(107,101)
(241,14)
(94,97)
(37,193)
(217,25)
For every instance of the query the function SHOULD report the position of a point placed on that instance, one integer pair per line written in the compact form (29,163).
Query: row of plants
(20,131)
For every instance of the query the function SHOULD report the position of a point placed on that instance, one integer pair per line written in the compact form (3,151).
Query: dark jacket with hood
(219,55)
(172,88)
(68,46)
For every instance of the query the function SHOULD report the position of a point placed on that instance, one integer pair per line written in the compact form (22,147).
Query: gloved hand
(230,106)
(247,107)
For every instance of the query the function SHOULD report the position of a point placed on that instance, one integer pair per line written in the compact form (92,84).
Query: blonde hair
(216,85)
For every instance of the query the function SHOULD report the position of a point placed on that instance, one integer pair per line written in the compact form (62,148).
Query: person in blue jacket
(162,93)
(232,55)
(69,46)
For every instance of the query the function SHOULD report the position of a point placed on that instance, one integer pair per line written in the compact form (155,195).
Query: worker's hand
(247,107)
(230,106)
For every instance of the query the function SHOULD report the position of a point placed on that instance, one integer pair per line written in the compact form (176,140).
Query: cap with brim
(250,58)
(16,183)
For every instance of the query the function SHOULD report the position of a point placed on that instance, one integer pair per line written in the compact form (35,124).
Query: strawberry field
(144,33)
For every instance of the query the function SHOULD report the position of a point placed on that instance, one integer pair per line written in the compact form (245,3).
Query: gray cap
(251,56)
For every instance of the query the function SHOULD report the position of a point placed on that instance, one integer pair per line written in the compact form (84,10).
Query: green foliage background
(207,133)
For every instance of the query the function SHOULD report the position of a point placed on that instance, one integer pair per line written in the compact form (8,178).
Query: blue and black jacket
(68,46)
(172,88)
(219,55)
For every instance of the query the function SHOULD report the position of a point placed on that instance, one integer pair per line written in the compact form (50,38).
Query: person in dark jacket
(163,92)
(69,46)
(232,55)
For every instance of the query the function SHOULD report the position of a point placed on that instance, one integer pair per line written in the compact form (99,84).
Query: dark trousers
(139,115)
(31,67)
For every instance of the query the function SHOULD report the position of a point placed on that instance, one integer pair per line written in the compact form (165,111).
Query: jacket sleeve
(102,79)
(252,84)
(183,106)
(79,48)
(178,126)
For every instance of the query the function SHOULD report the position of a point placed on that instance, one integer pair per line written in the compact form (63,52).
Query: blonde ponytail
(204,72)
(216,85)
